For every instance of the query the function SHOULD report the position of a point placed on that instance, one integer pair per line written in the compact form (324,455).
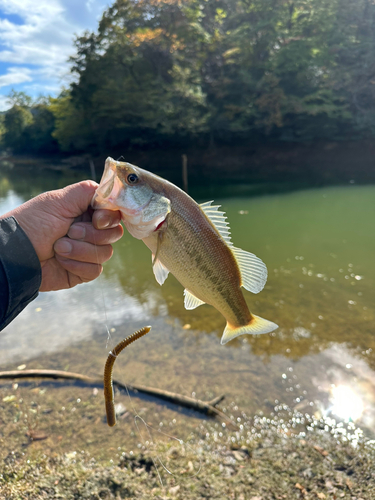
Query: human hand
(70,239)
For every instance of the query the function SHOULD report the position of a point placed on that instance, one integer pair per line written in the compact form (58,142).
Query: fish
(189,240)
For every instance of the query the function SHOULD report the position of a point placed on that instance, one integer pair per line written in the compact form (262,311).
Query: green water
(319,247)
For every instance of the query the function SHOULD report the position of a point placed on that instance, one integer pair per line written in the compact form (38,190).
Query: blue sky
(36,40)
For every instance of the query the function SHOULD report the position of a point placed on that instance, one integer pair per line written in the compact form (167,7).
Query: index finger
(105,219)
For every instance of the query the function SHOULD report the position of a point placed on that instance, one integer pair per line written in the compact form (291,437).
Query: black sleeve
(20,271)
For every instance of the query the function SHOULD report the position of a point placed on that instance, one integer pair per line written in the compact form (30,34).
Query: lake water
(319,247)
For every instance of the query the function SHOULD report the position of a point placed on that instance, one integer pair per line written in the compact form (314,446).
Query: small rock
(174,490)
(36,435)
(238,456)
(120,409)
(308,473)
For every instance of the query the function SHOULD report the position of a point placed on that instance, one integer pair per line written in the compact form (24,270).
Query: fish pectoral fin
(253,270)
(160,271)
(256,326)
(191,301)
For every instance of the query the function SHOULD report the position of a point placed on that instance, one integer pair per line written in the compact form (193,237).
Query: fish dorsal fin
(218,219)
(253,270)
(160,271)
(191,301)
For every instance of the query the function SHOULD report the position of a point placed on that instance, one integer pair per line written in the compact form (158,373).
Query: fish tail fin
(257,325)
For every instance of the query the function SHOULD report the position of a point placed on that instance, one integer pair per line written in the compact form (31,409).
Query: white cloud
(44,41)
(15,75)
(33,13)
(4,105)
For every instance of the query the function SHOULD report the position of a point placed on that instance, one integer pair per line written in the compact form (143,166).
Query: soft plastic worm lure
(108,387)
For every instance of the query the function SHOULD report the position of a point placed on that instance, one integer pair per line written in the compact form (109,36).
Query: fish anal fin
(253,270)
(256,326)
(218,219)
(160,271)
(191,301)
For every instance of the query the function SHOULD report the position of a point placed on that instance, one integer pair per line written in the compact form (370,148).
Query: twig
(206,407)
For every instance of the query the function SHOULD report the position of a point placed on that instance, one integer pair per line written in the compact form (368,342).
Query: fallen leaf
(301,488)
(8,399)
(320,450)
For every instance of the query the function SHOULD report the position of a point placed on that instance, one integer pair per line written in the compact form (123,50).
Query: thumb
(75,199)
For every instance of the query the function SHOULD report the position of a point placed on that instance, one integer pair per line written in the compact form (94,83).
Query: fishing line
(110,402)
(101,287)
(169,436)
(137,416)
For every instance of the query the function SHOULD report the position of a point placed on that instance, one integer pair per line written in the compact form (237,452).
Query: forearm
(20,271)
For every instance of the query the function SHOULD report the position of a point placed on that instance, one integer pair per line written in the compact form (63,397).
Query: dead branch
(206,407)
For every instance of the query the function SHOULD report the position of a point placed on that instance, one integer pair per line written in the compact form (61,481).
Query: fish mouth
(102,198)
(108,193)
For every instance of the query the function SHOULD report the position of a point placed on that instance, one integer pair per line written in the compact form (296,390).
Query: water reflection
(346,404)
(318,246)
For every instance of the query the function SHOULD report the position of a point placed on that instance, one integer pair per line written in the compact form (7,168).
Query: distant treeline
(161,73)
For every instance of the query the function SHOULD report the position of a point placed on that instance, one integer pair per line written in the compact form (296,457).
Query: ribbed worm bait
(108,386)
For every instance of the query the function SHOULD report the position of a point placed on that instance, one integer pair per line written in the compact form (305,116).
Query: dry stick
(206,407)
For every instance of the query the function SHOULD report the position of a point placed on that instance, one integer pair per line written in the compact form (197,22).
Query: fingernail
(104,221)
(63,247)
(77,232)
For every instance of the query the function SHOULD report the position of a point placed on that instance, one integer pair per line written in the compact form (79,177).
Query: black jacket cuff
(20,271)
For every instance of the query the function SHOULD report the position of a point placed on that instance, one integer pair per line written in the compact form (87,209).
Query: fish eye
(132,178)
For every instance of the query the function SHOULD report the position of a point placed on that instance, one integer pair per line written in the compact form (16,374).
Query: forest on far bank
(172,73)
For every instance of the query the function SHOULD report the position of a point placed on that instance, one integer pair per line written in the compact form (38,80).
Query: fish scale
(204,280)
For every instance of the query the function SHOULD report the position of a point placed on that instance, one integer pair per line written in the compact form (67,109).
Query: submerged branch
(206,407)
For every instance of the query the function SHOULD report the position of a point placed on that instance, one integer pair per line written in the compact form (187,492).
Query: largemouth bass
(189,240)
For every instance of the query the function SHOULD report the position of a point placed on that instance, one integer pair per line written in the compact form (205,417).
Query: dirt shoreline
(273,466)
(54,445)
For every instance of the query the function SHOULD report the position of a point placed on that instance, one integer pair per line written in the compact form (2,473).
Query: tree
(19,99)
(16,121)
(138,77)
(160,72)
(28,125)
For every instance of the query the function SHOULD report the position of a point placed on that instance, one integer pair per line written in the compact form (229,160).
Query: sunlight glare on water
(346,404)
